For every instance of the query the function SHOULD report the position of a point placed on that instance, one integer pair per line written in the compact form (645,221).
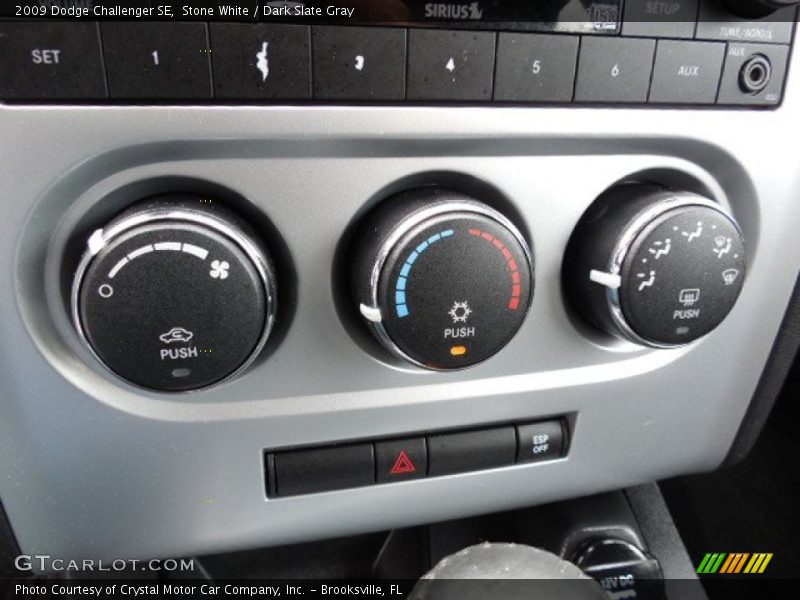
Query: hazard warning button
(399,460)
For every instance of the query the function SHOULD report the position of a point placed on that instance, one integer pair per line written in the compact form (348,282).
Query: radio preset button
(261,61)
(614,70)
(157,60)
(359,63)
(450,65)
(535,68)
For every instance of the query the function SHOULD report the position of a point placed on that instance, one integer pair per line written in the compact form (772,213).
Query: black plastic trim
(779,363)
(9,549)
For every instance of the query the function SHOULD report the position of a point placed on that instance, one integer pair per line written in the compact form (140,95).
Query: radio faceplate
(527,53)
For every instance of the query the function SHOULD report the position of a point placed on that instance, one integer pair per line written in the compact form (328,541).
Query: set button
(59,60)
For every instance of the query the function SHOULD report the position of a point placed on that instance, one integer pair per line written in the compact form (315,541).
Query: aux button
(443,280)
(175,294)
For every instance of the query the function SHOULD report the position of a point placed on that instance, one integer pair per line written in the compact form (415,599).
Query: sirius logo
(463,12)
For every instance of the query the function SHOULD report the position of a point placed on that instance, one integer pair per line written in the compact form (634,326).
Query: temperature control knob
(655,266)
(174,294)
(443,280)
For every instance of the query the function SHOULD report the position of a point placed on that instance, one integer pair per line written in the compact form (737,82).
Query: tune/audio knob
(655,266)
(175,294)
(443,280)
(757,9)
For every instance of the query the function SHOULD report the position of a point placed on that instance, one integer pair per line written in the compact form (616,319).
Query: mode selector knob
(655,266)
(175,294)
(757,9)
(443,280)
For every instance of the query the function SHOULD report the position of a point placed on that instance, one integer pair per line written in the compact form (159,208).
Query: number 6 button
(614,70)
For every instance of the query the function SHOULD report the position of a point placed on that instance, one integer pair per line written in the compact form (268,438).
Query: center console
(272,278)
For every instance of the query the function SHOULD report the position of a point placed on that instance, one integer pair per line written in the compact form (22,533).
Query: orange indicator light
(458,350)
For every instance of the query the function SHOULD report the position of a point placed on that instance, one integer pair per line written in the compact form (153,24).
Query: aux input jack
(755,74)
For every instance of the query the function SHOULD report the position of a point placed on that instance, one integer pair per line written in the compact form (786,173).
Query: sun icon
(460,312)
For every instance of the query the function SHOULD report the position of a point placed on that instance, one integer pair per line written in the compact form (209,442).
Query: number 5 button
(535,68)
(614,70)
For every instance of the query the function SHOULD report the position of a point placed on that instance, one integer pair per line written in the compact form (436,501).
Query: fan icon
(460,312)
(219,269)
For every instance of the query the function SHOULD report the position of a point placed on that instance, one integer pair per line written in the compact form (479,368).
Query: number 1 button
(156,61)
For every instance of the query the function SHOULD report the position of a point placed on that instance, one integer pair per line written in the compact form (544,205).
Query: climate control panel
(178,293)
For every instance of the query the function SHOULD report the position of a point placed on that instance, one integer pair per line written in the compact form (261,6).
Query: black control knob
(175,294)
(757,9)
(444,281)
(655,266)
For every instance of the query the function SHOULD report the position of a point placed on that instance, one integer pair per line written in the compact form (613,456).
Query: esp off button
(540,441)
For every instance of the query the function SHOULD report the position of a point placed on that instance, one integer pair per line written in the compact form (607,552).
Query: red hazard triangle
(403,464)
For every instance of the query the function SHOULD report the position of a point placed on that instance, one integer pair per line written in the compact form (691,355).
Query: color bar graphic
(734,563)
